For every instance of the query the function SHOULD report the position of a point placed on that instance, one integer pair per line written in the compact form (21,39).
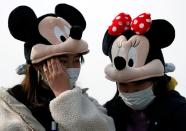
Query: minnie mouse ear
(70,14)
(161,33)
(107,43)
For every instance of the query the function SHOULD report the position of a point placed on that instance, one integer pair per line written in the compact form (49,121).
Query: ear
(70,14)
(161,33)
(22,23)
(107,43)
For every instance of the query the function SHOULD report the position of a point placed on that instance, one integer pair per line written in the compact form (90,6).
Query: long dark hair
(161,86)
(32,85)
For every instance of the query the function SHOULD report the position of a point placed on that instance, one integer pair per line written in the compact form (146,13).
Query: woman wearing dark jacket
(145,98)
(167,112)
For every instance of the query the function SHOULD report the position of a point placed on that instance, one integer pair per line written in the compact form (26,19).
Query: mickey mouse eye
(62,38)
(67,30)
(131,57)
(60,34)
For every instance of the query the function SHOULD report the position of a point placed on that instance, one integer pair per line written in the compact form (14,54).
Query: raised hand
(56,76)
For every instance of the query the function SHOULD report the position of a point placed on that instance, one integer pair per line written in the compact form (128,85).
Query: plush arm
(75,111)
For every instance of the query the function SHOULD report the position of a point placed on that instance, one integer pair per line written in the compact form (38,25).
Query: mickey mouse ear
(22,23)
(71,14)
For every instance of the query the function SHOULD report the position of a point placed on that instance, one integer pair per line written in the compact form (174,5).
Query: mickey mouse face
(54,29)
(137,56)
(49,35)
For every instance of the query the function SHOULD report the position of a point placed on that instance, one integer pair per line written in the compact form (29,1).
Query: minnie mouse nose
(119,62)
(76,32)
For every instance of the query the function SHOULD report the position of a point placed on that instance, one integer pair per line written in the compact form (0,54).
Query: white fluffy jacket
(72,110)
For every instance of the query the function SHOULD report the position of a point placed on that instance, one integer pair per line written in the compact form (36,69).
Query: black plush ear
(70,14)
(161,33)
(22,23)
(107,43)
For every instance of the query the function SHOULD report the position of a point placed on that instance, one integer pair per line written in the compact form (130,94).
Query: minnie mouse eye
(131,57)
(131,62)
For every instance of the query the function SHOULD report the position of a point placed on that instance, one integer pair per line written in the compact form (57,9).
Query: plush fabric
(41,52)
(77,113)
(135,53)
(72,110)
(14,116)
(50,34)
(148,71)
(123,22)
(42,112)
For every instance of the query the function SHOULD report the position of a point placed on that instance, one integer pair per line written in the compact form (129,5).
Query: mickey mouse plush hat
(134,47)
(49,35)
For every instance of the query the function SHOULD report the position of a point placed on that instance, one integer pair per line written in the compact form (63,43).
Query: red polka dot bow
(123,22)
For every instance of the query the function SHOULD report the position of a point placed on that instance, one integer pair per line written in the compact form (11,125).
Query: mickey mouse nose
(76,32)
(119,62)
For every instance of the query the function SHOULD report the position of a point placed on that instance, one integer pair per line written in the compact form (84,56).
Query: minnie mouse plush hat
(134,47)
(49,35)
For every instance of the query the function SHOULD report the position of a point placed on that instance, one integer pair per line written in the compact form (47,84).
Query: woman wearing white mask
(48,99)
(145,98)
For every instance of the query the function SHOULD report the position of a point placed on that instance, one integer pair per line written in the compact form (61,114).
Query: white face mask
(138,100)
(73,74)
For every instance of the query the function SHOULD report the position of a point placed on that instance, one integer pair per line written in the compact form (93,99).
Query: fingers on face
(45,70)
(49,66)
(53,65)
(59,65)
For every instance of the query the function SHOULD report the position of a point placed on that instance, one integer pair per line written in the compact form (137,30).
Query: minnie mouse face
(49,35)
(135,52)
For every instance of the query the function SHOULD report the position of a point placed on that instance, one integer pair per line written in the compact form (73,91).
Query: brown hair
(31,84)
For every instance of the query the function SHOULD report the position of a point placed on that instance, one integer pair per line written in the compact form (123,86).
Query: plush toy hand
(56,76)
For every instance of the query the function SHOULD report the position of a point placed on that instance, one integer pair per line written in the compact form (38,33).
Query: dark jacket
(166,113)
